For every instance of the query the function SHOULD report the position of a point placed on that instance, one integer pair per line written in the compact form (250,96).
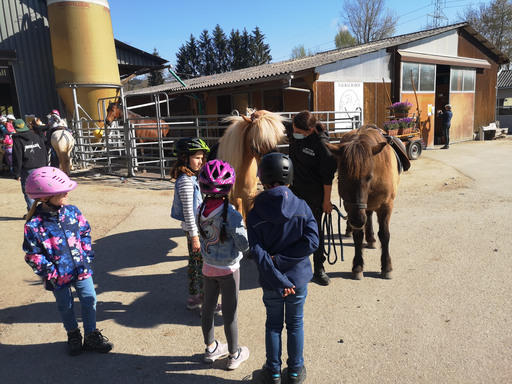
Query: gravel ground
(444,318)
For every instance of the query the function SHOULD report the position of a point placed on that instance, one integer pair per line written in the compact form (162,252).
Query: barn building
(504,99)
(27,76)
(452,64)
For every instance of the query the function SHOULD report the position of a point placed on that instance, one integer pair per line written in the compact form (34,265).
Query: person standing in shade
(446,123)
(28,154)
(314,169)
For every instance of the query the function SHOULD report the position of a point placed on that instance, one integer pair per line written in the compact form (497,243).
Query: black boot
(320,277)
(75,342)
(95,341)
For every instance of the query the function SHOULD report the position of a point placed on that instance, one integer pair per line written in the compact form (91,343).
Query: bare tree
(368,20)
(494,21)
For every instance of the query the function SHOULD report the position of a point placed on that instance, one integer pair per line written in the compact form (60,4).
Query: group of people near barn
(26,147)
(281,233)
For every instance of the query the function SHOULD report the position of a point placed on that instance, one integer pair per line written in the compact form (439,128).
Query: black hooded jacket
(28,152)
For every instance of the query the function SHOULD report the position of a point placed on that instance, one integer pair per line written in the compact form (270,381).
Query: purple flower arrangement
(401,107)
(391,125)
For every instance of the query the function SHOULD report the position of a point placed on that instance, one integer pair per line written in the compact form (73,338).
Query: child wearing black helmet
(191,153)
(282,234)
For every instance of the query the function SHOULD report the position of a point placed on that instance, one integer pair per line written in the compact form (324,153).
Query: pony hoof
(386,275)
(357,275)
(371,245)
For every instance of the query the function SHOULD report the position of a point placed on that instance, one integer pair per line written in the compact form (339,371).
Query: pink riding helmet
(8,140)
(216,178)
(48,181)
(55,112)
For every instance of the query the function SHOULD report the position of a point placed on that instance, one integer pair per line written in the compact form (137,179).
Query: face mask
(298,136)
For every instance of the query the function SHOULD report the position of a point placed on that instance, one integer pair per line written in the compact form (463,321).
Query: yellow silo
(84,52)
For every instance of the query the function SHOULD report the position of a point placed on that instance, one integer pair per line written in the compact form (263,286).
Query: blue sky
(166,25)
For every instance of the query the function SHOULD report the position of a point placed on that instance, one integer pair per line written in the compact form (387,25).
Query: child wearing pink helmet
(58,248)
(223,241)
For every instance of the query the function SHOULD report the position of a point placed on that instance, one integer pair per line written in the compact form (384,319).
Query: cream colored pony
(244,143)
(63,143)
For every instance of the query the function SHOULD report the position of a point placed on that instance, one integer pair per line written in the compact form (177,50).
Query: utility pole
(439,18)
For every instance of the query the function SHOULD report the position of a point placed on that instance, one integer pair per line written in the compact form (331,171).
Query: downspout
(185,85)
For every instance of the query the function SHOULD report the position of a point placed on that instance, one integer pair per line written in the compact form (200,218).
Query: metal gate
(121,151)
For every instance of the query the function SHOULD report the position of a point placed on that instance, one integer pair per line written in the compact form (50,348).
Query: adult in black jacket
(28,154)
(314,169)
(446,123)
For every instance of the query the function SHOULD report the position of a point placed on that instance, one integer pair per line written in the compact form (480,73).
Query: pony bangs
(232,140)
(357,158)
(267,132)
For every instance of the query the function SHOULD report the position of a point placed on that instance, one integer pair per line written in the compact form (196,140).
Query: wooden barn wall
(375,103)
(464,103)
(295,101)
(486,80)
(257,99)
(427,122)
(324,96)
(210,105)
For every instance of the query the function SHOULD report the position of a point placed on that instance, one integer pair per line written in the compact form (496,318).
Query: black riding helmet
(275,168)
(188,145)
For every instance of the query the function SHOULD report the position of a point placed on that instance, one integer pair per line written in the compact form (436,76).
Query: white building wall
(367,68)
(444,44)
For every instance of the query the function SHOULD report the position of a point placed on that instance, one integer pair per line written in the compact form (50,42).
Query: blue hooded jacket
(282,225)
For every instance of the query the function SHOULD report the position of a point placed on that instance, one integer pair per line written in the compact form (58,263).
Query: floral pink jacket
(58,246)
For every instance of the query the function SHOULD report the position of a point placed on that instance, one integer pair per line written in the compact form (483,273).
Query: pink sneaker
(194,302)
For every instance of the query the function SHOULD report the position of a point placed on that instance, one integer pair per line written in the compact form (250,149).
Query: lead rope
(328,231)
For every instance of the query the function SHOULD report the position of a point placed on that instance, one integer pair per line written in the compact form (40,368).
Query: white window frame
(463,72)
(417,86)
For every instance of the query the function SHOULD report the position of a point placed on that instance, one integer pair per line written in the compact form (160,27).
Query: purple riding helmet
(216,178)
(48,181)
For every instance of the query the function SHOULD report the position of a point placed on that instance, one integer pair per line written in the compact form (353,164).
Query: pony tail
(223,234)
(319,127)
(200,211)
(32,209)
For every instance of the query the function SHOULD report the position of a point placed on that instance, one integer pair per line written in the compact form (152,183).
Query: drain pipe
(185,85)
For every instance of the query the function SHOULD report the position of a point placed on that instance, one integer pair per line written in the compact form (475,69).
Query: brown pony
(244,143)
(145,133)
(368,179)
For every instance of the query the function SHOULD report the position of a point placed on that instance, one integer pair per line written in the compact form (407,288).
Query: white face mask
(298,136)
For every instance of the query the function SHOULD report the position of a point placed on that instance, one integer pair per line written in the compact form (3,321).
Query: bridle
(355,205)
(256,151)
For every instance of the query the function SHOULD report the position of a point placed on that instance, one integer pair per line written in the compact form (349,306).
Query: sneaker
(241,356)
(194,302)
(320,277)
(95,341)
(297,378)
(269,377)
(217,311)
(75,342)
(221,350)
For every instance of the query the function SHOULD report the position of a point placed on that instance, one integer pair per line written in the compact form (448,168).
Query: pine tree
(206,55)
(220,50)
(259,50)
(188,59)
(235,46)
(155,77)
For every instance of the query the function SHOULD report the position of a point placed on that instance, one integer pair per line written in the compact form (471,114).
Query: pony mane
(265,132)
(356,156)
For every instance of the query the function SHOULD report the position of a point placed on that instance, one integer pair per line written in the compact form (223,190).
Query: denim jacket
(177,211)
(219,254)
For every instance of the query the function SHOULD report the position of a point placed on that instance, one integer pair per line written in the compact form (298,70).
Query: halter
(355,205)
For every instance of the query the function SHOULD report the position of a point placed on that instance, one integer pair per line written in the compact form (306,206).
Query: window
(504,106)
(423,75)
(462,80)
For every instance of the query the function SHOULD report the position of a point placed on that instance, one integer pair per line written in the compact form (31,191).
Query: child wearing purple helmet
(58,248)
(223,241)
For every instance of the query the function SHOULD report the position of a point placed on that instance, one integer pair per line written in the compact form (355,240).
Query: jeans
(446,134)
(291,310)
(87,295)
(24,174)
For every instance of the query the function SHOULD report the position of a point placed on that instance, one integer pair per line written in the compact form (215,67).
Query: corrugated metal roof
(283,68)
(505,79)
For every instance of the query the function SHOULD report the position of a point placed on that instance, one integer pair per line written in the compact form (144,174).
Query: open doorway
(442,98)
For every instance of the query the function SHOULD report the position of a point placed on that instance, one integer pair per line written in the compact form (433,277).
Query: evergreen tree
(206,55)
(155,77)
(259,50)
(235,47)
(220,50)
(245,50)
(188,58)
(343,38)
